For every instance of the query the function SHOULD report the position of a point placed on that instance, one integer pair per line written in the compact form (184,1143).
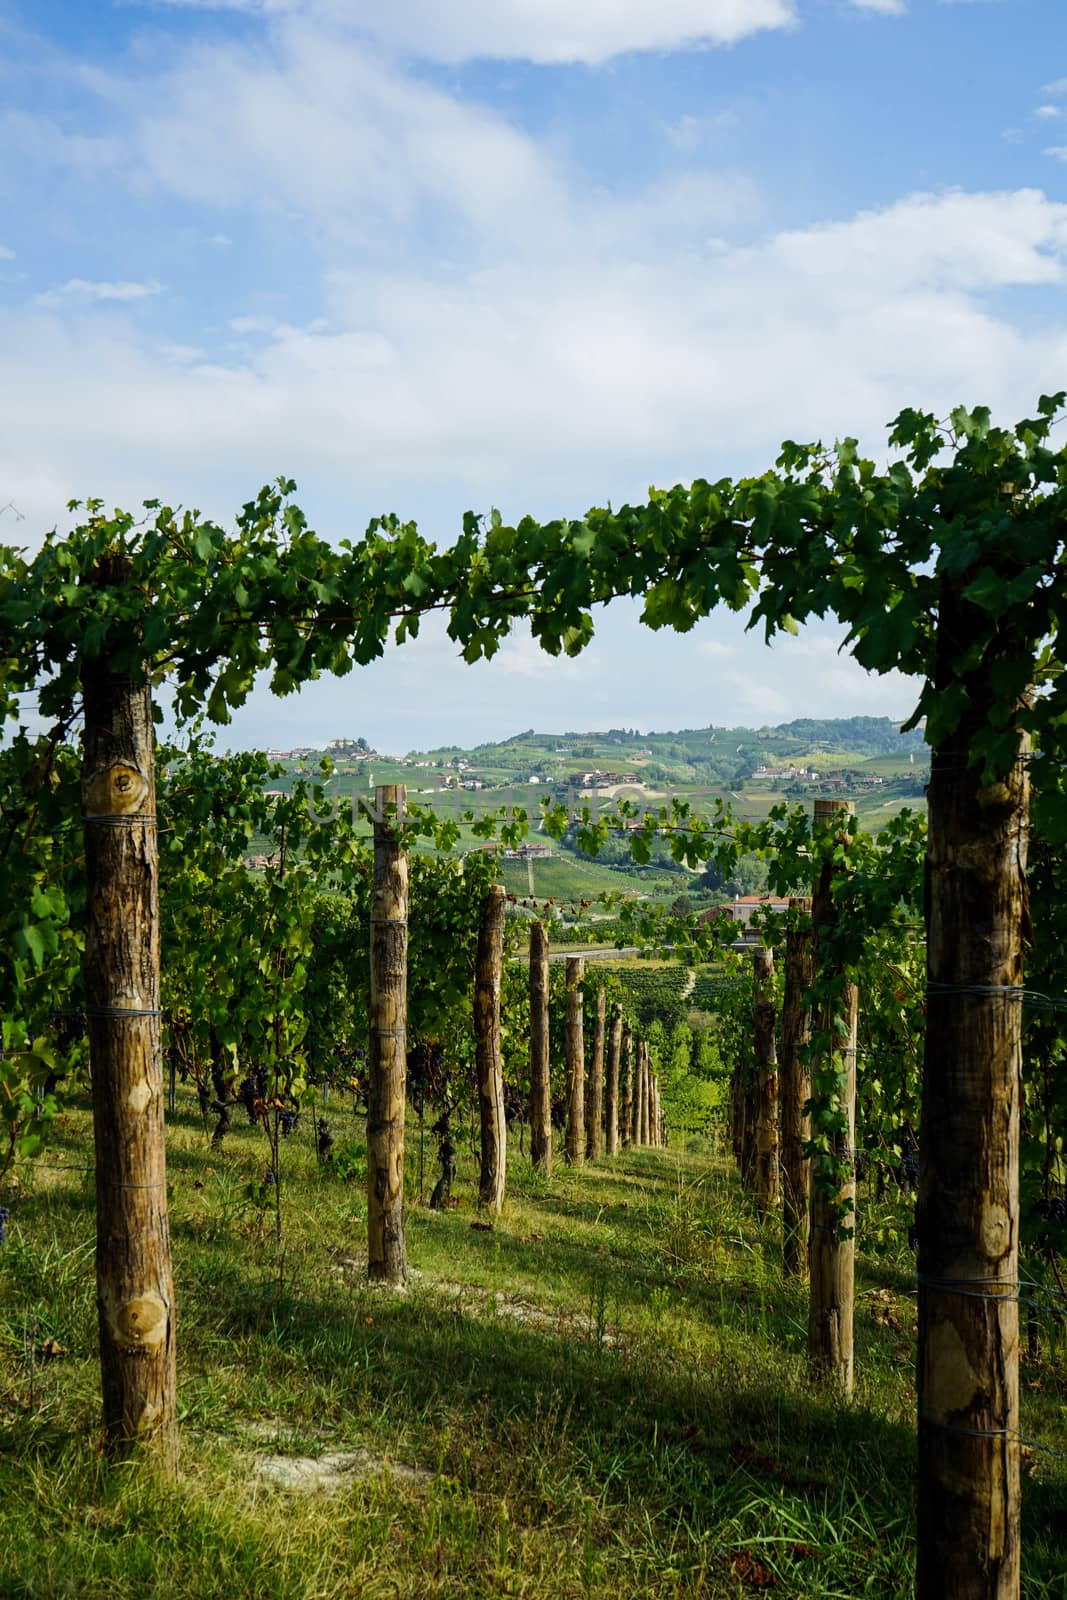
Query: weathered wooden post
(833,1242)
(488,964)
(594,1109)
(767,1186)
(795,1089)
(614,1051)
(134,1282)
(387,1056)
(641,1135)
(575,1053)
(626,1112)
(540,1086)
(968,1212)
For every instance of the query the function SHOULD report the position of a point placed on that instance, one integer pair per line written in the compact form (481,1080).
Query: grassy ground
(603,1394)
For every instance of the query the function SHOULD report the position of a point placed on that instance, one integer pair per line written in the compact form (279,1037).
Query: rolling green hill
(865,759)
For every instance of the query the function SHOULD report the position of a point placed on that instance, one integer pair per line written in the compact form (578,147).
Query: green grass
(605,1394)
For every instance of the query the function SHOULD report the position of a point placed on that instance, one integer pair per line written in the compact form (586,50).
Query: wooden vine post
(594,1109)
(767,1185)
(488,965)
(626,1092)
(638,1089)
(134,1282)
(612,1089)
(575,1054)
(968,1208)
(540,1084)
(832,1252)
(642,1092)
(387,1056)
(795,1090)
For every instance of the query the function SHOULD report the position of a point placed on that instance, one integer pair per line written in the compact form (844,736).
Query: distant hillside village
(868,759)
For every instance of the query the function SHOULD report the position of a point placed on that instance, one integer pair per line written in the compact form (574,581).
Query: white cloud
(548,387)
(548,31)
(886,8)
(318,130)
(690,132)
(6,254)
(84,290)
(1048,111)
(574,345)
(29,139)
(1058,151)
(1058,87)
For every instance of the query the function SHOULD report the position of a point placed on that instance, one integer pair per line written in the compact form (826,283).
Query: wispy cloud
(84,290)
(1058,151)
(1058,86)
(887,8)
(1048,111)
(690,133)
(38,139)
(557,31)
(6,254)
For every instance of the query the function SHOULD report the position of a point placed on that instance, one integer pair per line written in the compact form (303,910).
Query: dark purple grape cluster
(69,1028)
(270,1177)
(1051,1235)
(252,1091)
(514,1106)
(325,1142)
(4,1214)
(908,1169)
(426,1078)
(287,1121)
(913,1238)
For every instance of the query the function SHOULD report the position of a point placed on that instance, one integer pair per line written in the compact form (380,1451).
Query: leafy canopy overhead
(966,514)
(966,510)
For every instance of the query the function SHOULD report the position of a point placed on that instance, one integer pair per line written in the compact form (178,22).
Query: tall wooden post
(767,1185)
(488,964)
(134,1283)
(639,1057)
(575,1052)
(641,1119)
(387,1057)
(649,1084)
(833,1243)
(795,1090)
(626,1108)
(614,1052)
(968,1212)
(540,1086)
(594,1109)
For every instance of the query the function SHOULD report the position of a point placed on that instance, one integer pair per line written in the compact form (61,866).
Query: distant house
(743,908)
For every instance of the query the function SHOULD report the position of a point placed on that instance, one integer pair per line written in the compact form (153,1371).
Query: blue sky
(424,255)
